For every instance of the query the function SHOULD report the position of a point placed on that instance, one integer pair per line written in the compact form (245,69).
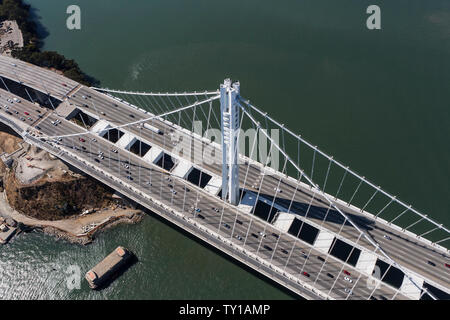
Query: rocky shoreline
(38,192)
(67,229)
(88,238)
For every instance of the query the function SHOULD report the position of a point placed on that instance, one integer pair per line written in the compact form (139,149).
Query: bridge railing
(349,189)
(358,200)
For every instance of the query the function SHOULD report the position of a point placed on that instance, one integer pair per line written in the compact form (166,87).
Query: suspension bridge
(277,204)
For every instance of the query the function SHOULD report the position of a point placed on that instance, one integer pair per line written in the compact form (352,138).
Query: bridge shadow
(7,129)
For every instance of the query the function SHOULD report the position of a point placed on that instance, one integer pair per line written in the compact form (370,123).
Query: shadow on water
(41,30)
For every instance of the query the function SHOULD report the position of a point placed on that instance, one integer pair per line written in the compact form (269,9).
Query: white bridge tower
(229,93)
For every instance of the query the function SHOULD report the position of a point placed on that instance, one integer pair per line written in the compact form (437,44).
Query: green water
(376,100)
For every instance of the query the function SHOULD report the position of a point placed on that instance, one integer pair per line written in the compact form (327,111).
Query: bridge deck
(412,253)
(407,250)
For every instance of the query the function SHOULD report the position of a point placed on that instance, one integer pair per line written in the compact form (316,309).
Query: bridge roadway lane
(404,249)
(18,109)
(113,163)
(47,81)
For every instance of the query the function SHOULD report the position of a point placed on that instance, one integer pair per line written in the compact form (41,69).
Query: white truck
(152,128)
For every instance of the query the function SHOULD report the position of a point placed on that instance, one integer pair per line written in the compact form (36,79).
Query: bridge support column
(230,128)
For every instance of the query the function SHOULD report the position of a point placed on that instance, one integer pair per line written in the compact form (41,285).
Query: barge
(109,267)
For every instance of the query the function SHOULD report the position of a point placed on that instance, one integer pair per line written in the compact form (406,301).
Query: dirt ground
(37,164)
(8,142)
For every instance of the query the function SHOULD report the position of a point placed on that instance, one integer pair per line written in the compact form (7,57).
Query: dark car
(431,263)
(320,258)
